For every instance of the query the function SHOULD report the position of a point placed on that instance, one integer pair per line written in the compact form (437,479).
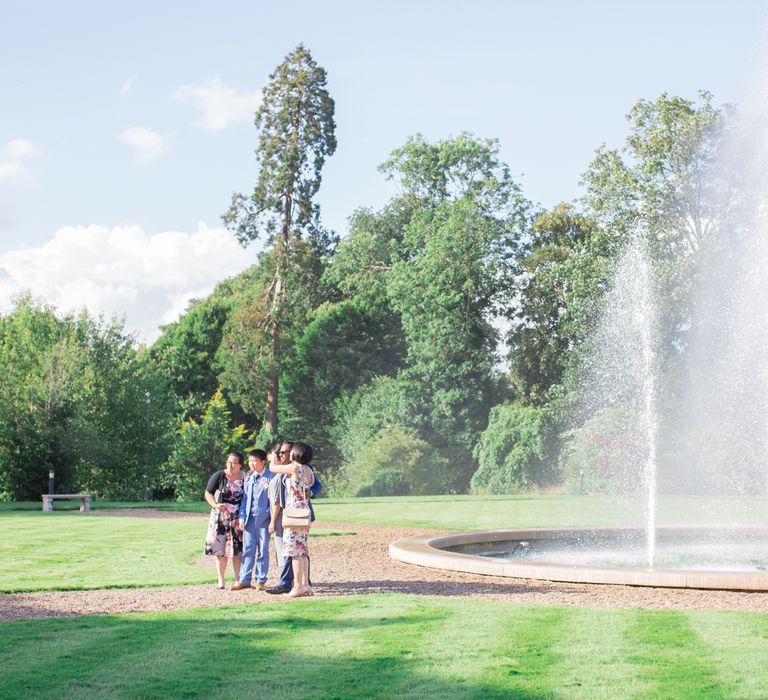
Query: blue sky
(124,129)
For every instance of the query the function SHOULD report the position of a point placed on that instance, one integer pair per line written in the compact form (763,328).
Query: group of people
(248,506)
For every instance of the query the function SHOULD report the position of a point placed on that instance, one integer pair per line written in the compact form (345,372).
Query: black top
(215,482)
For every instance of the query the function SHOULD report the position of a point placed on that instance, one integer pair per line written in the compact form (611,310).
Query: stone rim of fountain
(428,551)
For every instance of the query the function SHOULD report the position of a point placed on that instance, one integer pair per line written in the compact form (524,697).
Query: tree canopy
(431,349)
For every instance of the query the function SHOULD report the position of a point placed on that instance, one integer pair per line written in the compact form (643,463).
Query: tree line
(430,350)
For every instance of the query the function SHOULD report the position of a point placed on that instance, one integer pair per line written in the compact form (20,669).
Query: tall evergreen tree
(296,134)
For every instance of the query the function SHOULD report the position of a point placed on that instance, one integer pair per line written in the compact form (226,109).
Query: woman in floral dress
(295,539)
(224,493)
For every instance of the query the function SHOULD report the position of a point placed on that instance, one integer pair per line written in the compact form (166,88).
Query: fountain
(618,378)
(698,466)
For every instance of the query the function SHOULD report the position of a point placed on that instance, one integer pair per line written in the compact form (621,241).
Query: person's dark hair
(301,453)
(259,454)
(238,455)
(276,447)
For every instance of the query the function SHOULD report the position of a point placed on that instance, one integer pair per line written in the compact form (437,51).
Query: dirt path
(360,564)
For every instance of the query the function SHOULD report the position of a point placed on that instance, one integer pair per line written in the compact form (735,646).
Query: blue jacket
(255,497)
(314,490)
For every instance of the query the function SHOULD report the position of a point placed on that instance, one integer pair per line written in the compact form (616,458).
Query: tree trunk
(271,421)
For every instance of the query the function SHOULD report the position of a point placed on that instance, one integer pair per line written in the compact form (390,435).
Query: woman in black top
(224,493)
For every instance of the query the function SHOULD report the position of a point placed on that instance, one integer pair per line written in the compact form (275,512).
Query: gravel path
(360,564)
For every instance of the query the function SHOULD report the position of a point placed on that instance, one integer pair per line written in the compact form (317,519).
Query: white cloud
(148,145)
(146,278)
(19,148)
(10,156)
(9,170)
(220,104)
(127,88)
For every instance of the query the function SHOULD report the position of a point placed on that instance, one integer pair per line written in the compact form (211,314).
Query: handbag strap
(301,476)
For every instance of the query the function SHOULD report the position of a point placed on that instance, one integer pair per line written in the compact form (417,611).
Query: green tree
(563,264)
(201,448)
(452,277)
(516,451)
(191,351)
(186,351)
(245,357)
(72,399)
(364,257)
(384,402)
(665,180)
(346,345)
(296,134)
(125,428)
(664,183)
(606,454)
(42,380)
(396,462)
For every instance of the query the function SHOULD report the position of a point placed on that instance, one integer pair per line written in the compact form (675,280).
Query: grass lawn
(36,506)
(492,512)
(524,511)
(474,512)
(67,550)
(64,551)
(378,646)
(389,646)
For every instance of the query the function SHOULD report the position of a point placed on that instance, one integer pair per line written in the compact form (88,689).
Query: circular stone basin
(685,558)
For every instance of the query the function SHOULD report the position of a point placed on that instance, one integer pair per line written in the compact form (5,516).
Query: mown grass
(493,512)
(541,510)
(476,512)
(72,551)
(169,506)
(67,550)
(379,646)
(389,646)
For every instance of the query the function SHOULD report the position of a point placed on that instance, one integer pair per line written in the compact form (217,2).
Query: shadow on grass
(298,652)
(19,606)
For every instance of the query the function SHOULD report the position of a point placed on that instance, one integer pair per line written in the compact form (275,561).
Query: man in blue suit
(254,521)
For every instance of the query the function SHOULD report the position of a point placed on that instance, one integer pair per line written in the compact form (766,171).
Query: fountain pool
(717,558)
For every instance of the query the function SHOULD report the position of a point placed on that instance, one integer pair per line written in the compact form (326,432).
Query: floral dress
(223,539)
(297,496)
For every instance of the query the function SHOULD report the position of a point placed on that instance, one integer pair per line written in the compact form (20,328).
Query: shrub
(395,462)
(606,454)
(201,448)
(374,406)
(516,450)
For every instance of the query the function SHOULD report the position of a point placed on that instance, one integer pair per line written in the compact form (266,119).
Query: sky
(125,128)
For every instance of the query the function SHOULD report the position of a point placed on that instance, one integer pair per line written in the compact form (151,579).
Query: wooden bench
(85,500)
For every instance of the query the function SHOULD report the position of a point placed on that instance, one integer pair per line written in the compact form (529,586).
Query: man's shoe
(261,586)
(240,586)
(278,589)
